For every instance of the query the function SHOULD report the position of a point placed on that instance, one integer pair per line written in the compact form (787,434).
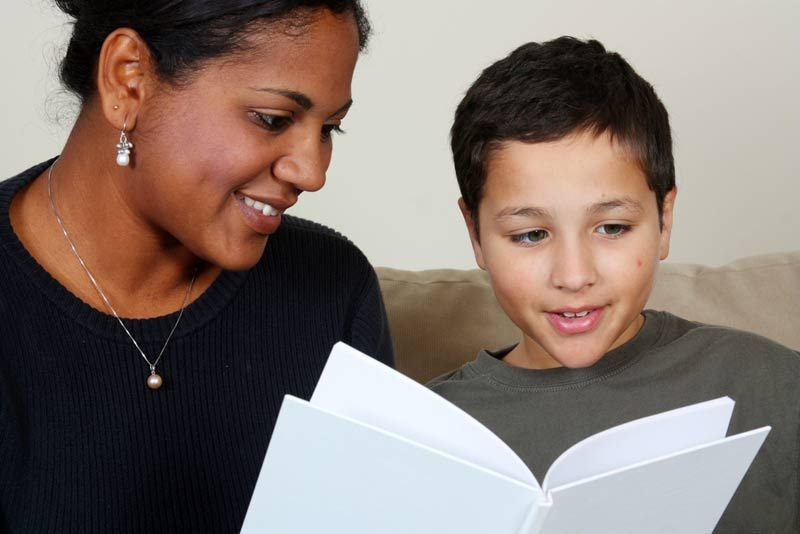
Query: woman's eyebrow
(302,100)
(344,108)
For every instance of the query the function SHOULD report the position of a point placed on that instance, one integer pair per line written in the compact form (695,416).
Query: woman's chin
(241,259)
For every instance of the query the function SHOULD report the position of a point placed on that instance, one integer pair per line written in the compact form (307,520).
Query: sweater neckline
(149,330)
(491,366)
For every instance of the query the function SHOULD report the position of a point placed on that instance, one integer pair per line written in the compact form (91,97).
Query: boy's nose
(573,267)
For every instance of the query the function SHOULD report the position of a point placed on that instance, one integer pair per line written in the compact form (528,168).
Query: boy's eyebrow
(522,211)
(626,203)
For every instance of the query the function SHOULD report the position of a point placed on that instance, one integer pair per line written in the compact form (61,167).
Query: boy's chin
(579,361)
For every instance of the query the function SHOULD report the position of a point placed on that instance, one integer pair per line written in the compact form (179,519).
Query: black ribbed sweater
(86,447)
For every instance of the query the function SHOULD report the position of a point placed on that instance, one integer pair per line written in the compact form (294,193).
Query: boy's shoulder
(486,369)
(451,376)
(477,369)
(729,345)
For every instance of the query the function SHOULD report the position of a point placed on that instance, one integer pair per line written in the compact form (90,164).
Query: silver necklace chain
(100,292)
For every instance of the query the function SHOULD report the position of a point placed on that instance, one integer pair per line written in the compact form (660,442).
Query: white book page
(357,386)
(324,473)
(681,493)
(641,440)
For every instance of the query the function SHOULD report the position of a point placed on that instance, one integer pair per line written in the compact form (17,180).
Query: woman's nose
(304,164)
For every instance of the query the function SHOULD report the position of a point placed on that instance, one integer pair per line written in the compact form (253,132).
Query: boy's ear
(666,222)
(125,77)
(473,233)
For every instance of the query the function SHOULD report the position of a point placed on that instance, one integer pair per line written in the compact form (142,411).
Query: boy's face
(570,237)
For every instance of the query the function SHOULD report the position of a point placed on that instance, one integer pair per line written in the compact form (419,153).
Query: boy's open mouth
(575,321)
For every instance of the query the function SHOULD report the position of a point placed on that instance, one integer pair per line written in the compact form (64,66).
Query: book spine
(535,520)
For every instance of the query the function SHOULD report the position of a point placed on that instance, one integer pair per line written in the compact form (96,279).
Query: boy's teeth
(570,315)
(249,201)
(258,205)
(269,210)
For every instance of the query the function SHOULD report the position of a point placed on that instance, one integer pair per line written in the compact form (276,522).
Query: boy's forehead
(579,168)
(582,147)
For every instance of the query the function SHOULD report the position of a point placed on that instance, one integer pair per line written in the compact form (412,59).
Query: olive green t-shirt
(670,363)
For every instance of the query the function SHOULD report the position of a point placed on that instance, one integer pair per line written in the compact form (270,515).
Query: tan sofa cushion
(441,318)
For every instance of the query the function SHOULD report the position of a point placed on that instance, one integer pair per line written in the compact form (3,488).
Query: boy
(564,160)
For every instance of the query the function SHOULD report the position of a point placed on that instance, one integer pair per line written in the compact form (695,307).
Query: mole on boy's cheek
(639,263)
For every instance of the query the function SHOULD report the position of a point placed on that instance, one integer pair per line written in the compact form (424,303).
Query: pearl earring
(124,148)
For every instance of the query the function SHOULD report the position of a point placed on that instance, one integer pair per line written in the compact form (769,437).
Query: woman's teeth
(265,209)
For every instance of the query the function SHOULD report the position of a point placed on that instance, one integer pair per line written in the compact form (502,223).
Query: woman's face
(218,161)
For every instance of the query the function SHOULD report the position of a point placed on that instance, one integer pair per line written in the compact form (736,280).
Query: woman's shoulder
(315,249)
(9,186)
(298,225)
(21,179)
(303,235)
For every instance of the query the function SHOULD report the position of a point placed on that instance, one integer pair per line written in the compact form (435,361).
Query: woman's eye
(534,236)
(613,230)
(328,129)
(273,123)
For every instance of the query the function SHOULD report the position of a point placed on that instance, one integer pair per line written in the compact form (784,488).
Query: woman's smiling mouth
(263,207)
(263,217)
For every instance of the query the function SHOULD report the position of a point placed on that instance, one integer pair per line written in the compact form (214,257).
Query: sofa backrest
(441,318)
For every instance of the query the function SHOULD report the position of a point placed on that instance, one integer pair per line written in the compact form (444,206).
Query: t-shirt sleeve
(369,330)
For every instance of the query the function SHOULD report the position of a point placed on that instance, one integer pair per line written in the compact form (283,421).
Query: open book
(374,452)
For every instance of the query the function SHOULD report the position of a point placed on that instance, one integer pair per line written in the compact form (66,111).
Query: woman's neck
(142,270)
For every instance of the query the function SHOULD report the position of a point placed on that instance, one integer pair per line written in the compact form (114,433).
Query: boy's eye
(613,230)
(328,129)
(272,123)
(534,236)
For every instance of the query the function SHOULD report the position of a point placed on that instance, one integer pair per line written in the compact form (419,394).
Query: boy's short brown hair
(545,91)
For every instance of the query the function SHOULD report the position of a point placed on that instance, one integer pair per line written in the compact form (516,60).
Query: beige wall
(727,71)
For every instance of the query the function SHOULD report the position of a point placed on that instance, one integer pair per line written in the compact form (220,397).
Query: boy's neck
(520,356)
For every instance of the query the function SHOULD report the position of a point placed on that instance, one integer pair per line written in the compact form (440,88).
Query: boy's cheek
(516,284)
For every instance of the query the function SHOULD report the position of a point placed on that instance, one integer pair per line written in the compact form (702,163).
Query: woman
(155,302)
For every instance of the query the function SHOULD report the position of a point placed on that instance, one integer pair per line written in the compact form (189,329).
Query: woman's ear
(125,77)
(474,237)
